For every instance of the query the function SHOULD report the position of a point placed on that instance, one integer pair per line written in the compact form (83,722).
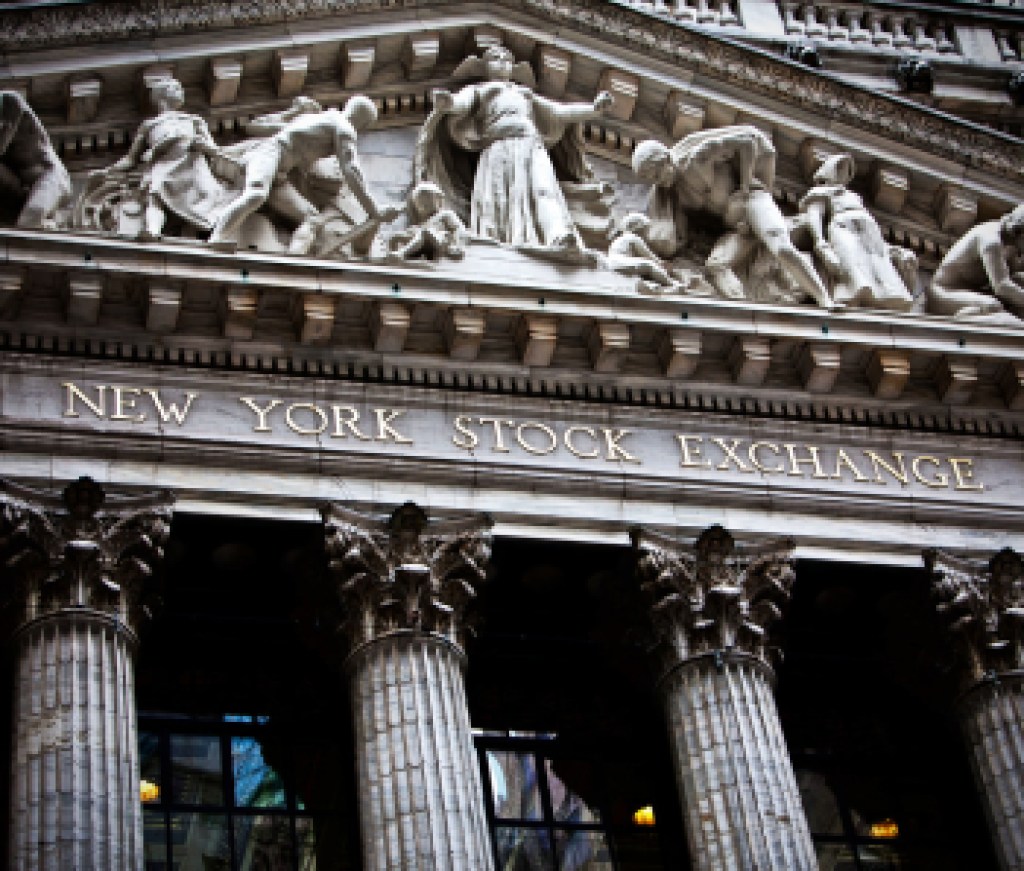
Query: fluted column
(982,606)
(72,577)
(405,586)
(712,607)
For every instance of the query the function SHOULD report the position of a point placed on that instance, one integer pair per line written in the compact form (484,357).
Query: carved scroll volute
(405,574)
(982,607)
(714,598)
(77,554)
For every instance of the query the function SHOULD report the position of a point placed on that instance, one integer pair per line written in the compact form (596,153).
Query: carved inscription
(497,438)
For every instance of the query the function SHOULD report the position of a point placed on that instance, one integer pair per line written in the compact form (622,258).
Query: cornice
(745,67)
(603,345)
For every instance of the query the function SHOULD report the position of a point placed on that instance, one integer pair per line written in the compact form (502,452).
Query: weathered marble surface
(727,172)
(864,269)
(32,176)
(974,280)
(515,196)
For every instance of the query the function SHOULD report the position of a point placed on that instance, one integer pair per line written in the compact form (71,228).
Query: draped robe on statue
(523,150)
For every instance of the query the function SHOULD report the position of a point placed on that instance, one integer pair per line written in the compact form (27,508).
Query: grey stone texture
(405,585)
(741,803)
(992,720)
(75,771)
(712,608)
(420,797)
(73,595)
(982,607)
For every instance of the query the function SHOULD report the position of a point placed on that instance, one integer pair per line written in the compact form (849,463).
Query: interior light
(644,816)
(149,791)
(885,829)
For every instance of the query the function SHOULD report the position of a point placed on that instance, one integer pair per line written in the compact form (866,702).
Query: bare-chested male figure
(729,172)
(306,138)
(30,169)
(974,278)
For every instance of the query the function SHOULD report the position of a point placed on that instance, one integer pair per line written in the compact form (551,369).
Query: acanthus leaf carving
(715,598)
(981,606)
(405,574)
(72,553)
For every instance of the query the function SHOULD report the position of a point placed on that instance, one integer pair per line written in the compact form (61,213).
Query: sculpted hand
(603,102)
(443,100)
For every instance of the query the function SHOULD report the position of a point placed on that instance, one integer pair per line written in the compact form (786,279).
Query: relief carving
(982,608)
(32,178)
(716,597)
(73,552)
(500,153)
(848,243)
(727,174)
(975,280)
(406,573)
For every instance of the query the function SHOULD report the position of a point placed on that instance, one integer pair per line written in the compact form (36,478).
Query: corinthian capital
(405,573)
(74,552)
(982,607)
(715,597)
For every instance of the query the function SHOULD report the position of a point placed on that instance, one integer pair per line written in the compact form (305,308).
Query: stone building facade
(524,435)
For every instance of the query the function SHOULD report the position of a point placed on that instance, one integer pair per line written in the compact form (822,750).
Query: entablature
(580,336)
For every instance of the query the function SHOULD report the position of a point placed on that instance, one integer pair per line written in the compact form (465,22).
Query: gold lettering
(940,479)
(346,416)
(261,412)
(796,462)
(171,409)
(690,455)
(615,450)
(385,431)
(548,432)
(567,437)
(878,463)
(97,408)
(305,406)
(965,475)
(844,459)
(471,441)
(755,461)
(124,400)
(730,455)
(499,444)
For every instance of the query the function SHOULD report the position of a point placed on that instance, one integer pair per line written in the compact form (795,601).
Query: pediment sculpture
(33,179)
(501,153)
(498,166)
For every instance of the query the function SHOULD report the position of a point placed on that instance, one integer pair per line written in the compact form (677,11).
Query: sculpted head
(360,111)
(500,63)
(426,199)
(838,169)
(636,222)
(167,93)
(1011,225)
(652,162)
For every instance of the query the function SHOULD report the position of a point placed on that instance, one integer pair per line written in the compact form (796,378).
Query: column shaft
(74,793)
(421,801)
(992,718)
(742,805)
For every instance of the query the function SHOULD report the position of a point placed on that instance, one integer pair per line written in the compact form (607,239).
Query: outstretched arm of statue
(571,113)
